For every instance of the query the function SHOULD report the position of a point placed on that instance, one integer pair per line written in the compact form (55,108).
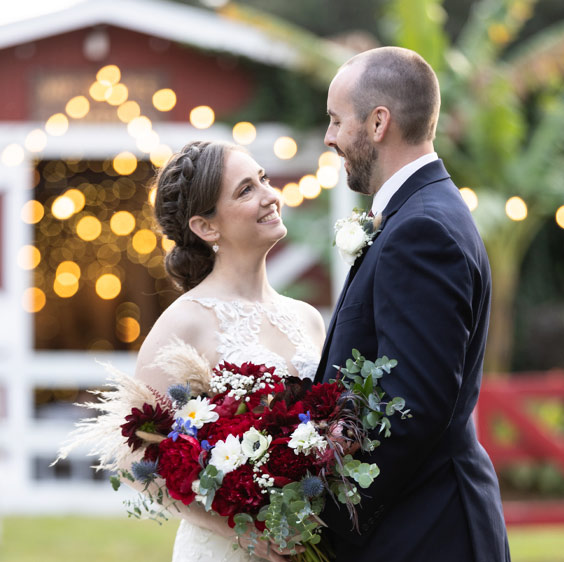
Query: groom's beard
(361,161)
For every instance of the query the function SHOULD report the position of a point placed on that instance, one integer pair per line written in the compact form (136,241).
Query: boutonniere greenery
(354,233)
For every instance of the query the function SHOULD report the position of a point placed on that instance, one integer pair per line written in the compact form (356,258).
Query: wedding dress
(239,340)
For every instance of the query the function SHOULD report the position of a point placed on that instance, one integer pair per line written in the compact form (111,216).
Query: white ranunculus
(255,444)
(350,239)
(199,411)
(305,438)
(228,455)
(196,490)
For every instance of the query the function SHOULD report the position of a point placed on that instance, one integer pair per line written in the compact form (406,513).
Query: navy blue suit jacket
(421,294)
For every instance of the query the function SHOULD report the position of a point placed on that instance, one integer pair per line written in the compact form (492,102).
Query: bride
(215,202)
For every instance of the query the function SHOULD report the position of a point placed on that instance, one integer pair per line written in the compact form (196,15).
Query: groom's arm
(423,317)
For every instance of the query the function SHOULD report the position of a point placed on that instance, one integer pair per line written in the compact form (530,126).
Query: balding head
(402,81)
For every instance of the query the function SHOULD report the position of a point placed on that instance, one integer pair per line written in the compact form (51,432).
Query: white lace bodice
(240,324)
(239,340)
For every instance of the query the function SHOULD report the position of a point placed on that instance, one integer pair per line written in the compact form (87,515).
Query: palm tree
(501,132)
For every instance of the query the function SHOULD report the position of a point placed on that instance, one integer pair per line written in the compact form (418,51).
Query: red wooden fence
(508,401)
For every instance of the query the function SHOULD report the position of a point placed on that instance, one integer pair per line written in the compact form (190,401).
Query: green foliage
(210,480)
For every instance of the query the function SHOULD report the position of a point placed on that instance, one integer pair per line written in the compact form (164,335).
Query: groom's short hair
(405,83)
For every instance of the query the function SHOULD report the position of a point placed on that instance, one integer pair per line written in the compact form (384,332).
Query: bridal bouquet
(262,448)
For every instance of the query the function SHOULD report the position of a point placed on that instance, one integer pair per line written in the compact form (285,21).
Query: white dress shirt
(392,184)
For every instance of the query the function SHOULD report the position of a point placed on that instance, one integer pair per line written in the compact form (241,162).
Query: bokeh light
(125,163)
(99,90)
(32,212)
(152,196)
(108,286)
(127,329)
(291,195)
(167,244)
(29,257)
(69,268)
(65,284)
(244,132)
(63,207)
(109,73)
(560,217)
(160,155)
(77,107)
(148,142)
(202,117)
(13,155)
(285,148)
(57,124)
(144,241)
(470,198)
(516,209)
(116,95)
(89,228)
(77,197)
(122,223)
(33,299)
(309,187)
(164,100)
(36,140)
(327,176)
(128,111)
(329,158)
(139,126)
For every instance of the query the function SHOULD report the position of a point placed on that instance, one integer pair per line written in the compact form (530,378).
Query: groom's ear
(203,228)
(379,123)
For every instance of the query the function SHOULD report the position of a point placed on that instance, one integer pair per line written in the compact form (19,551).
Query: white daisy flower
(228,455)
(305,439)
(199,411)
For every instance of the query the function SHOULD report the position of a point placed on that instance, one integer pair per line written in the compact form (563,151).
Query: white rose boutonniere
(354,233)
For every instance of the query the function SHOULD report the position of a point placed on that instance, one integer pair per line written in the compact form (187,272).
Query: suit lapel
(430,173)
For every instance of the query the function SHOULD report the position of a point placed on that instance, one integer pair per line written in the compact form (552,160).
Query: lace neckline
(239,332)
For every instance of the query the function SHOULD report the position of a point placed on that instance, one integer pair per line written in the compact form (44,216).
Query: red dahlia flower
(321,400)
(234,425)
(179,466)
(239,493)
(150,419)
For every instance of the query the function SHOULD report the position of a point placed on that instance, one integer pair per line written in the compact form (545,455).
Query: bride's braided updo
(189,185)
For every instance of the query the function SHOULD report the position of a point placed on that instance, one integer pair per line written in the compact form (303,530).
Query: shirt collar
(392,184)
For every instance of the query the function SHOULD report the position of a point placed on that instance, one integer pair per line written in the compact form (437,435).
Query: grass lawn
(81,539)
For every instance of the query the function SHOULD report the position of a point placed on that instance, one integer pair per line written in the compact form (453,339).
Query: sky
(21,9)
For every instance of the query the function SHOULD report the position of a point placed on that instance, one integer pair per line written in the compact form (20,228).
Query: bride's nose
(270,197)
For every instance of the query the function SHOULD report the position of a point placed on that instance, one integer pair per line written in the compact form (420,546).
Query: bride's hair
(189,185)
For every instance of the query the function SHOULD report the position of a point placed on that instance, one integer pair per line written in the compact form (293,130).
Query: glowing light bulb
(329,158)
(63,207)
(77,107)
(309,187)
(244,132)
(89,228)
(291,195)
(516,209)
(139,126)
(33,299)
(57,125)
(144,241)
(116,95)
(122,223)
(125,163)
(32,212)
(128,111)
(470,198)
(12,155)
(327,176)
(36,140)
(160,155)
(109,73)
(560,217)
(202,117)
(29,257)
(285,148)
(108,286)
(164,100)
(127,329)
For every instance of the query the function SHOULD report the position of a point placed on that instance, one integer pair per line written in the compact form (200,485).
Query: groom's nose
(330,137)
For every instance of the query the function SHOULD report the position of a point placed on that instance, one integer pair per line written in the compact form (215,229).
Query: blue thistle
(312,486)
(145,470)
(180,394)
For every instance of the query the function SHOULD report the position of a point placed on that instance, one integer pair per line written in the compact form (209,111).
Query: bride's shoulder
(310,316)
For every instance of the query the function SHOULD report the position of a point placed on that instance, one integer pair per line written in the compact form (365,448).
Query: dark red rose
(179,466)
(285,466)
(321,400)
(279,421)
(150,419)
(225,405)
(234,425)
(239,493)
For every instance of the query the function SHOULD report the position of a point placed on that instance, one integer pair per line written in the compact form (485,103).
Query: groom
(420,294)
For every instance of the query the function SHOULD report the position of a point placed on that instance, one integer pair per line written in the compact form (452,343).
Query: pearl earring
(215,247)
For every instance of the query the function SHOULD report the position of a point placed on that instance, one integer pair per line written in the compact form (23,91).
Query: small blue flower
(179,394)
(181,426)
(144,471)
(312,486)
(304,418)
(206,445)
